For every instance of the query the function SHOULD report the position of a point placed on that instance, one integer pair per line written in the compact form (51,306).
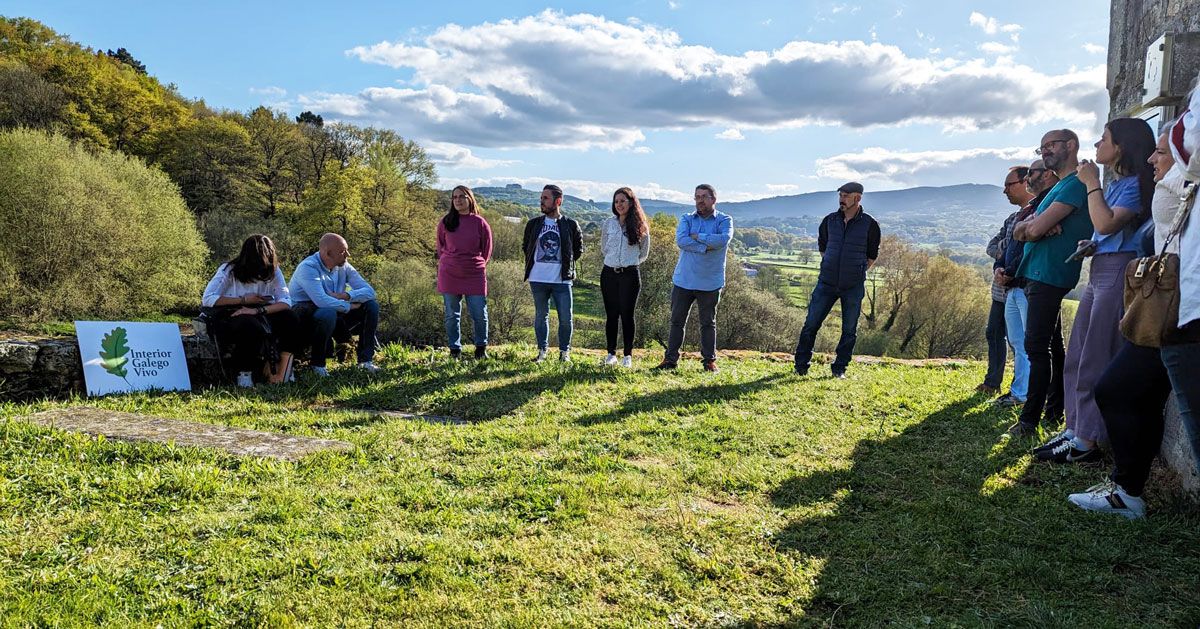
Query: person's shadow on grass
(673,398)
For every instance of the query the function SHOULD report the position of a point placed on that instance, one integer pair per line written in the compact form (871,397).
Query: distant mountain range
(986,201)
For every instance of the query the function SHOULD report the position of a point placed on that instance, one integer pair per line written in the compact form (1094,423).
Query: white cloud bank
(583,81)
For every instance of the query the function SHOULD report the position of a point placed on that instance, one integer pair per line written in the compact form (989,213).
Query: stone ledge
(120,426)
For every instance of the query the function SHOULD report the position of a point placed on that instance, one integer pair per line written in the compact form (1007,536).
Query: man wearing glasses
(1050,235)
(1038,181)
(1018,195)
(703,237)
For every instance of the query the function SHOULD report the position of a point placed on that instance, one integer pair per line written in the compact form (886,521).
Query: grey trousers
(681,303)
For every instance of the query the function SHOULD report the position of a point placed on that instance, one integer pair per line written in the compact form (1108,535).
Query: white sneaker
(540,357)
(321,372)
(564,355)
(627,361)
(610,360)
(368,366)
(245,380)
(1109,497)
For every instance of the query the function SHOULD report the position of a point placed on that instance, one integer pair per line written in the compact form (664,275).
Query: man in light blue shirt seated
(702,237)
(334,301)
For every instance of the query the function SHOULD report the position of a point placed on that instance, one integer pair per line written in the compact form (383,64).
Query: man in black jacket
(849,243)
(552,244)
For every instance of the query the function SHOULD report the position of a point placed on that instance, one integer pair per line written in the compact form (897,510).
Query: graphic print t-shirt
(547,256)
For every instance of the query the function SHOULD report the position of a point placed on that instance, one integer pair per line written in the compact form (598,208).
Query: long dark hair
(1136,140)
(635,218)
(452,219)
(257,260)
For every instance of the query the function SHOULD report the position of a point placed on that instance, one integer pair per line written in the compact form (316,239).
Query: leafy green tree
(212,161)
(276,141)
(126,58)
(28,100)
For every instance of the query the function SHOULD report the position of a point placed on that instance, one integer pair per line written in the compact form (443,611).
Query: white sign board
(124,356)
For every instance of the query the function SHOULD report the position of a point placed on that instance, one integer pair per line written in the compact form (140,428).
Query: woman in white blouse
(625,244)
(252,312)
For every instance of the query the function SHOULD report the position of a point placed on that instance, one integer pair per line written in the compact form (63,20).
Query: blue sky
(757,98)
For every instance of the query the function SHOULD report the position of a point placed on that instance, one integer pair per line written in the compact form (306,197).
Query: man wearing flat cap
(849,243)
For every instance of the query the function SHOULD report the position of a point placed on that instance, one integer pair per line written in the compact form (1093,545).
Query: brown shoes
(711,365)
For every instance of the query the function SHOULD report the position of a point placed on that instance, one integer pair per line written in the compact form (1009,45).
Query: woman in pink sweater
(464,246)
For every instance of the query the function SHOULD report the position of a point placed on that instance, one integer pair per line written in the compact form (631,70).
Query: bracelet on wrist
(1095,190)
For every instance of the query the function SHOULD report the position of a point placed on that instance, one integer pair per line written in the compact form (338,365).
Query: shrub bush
(91,234)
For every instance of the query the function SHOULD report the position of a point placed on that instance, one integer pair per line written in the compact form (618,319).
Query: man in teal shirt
(1051,235)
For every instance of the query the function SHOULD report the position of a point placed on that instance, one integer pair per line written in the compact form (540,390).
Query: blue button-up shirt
(701,267)
(312,282)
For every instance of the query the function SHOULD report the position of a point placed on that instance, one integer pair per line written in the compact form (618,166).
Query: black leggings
(1131,395)
(620,292)
(1044,346)
(248,335)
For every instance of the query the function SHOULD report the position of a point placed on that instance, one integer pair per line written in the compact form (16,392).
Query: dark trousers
(1183,367)
(248,336)
(822,300)
(324,324)
(1131,394)
(997,346)
(620,291)
(681,303)
(1044,346)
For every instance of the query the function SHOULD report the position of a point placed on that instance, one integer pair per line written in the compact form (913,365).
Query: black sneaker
(840,375)
(801,371)
(1008,401)
(480,352)
(1021,429)
(665,366)
(1053,442)
(455,354)
(1066,452)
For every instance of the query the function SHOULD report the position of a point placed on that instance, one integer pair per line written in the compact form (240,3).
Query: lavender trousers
(1095,339)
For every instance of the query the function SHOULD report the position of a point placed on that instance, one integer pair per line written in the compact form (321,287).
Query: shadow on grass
(702,394)
(937,525)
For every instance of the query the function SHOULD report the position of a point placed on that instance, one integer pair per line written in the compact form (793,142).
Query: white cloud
(782,188)
(642,150)
(991,25)
(545,81)
(271,91)
(882,167)
(730,134)
(456,156)
(996,48)
(671,4)
(1094,49)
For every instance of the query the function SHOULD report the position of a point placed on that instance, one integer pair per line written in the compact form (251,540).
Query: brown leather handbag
(1152,291)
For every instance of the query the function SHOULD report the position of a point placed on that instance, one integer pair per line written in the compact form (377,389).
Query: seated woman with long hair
(254,312)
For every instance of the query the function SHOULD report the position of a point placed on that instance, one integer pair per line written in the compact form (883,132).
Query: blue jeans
(1183,367)
(477,306)
(542,293)
(1016,309)
(819,305)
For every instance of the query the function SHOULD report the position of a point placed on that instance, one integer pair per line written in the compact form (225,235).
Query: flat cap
(851,187)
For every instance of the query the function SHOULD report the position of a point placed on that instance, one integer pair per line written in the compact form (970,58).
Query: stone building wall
(1134,25)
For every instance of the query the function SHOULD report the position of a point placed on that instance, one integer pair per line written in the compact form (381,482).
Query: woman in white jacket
(625,244)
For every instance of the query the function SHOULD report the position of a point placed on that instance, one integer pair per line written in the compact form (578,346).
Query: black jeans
(681,303)
(620,291)
(1131,395)
(1044,346)
(325,324)
(997,346)
(247,337)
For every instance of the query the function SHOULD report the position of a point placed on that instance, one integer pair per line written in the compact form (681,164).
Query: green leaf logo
(113,349)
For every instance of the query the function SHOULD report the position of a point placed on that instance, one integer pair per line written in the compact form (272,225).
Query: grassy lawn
(583,496)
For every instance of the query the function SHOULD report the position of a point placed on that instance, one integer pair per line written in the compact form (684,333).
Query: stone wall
(1133,26)
(35,368)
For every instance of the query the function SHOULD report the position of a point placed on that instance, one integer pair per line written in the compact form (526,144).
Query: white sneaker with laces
(1109,497)
(368,366)
(245,380)
(540,356)
(610,360)
(564,355)
(627,362)
(321,372)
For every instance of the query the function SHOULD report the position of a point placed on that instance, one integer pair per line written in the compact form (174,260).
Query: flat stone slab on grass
(432,419)
(122,426)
